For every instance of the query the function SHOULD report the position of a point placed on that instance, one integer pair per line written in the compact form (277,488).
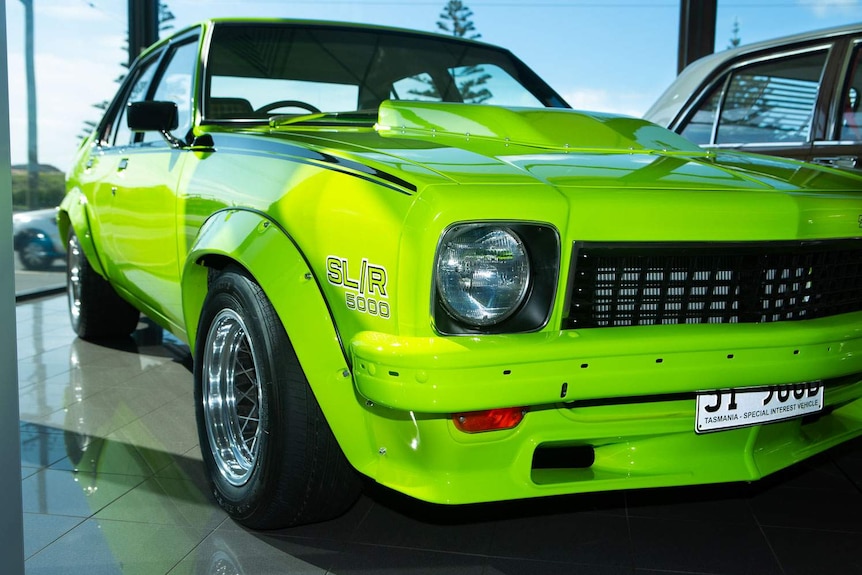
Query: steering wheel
(288,104)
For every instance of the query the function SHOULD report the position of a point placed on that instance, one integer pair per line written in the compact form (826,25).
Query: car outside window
(764,102)
(117,131)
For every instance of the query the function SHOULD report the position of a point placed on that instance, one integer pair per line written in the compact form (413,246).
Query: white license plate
(731,408)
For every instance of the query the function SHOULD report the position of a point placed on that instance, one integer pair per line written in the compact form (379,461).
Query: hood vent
(547,128)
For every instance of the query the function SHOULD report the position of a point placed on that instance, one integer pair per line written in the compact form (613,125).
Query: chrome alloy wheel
(231,397)
(73,278)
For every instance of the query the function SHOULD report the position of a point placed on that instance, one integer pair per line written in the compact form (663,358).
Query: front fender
(74,214)
(253,241)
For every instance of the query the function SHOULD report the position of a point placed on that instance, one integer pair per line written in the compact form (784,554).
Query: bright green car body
(340,224)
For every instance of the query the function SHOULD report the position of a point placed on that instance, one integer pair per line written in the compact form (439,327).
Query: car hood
(463,143)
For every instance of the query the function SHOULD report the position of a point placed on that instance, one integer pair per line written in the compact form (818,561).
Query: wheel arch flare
(250,240)
(74,214)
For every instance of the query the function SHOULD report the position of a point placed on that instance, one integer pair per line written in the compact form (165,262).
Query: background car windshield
(254,69)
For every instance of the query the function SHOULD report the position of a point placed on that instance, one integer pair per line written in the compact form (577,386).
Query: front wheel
(270,455)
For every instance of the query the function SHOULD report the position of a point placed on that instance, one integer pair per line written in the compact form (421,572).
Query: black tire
(270,456)
(95,309)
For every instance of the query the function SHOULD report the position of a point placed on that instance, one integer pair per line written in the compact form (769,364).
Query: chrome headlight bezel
(527,306)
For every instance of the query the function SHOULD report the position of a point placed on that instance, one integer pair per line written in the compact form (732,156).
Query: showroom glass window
(770,101)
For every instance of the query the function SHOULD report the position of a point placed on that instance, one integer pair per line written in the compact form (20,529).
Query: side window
(700,125)
(117,132)
(175,85)
(851,112)
(764,102)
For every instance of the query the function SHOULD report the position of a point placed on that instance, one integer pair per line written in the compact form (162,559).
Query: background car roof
(668,105)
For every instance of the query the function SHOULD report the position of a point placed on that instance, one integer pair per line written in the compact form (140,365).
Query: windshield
(260,70)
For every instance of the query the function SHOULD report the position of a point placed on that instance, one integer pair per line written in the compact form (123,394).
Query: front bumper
(609,408)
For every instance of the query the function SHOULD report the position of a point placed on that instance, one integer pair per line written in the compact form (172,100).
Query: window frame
(164,63)
(106,132)
(721,81)
(157,56)
(845,75)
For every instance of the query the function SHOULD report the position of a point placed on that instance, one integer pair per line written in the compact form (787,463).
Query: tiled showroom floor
(112,484)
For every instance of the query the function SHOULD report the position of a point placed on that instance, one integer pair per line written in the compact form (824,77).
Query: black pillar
(696,30)
(143,25)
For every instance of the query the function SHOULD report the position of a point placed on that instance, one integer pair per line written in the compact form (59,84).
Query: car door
(112,142)
(842,146)
(767,103)
(143,184)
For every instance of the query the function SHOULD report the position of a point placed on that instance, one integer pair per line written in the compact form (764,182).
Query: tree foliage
(734,38)
(455,20)
(470,80)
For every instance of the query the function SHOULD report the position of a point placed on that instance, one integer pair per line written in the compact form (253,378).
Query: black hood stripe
(299,154)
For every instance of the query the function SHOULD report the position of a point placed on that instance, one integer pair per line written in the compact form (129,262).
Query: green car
(401,257)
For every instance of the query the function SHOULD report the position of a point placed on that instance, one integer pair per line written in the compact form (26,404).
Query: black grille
(653,284)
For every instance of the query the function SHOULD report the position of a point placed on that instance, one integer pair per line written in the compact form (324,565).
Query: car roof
(212,22)
(667,106)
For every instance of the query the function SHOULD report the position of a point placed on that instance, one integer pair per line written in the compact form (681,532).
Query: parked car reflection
(37,239)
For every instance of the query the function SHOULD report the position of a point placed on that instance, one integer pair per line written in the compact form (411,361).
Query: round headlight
(483,273)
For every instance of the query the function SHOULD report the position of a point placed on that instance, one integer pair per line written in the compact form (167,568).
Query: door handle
(837,161)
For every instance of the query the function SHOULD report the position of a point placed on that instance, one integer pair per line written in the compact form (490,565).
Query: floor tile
(39,449)
(719,503)
(99,547)
(42,530)
(808,551)
(366,559)
(704,546)
(582,538)
(163,501)
(435,529)
(232,552)
(113,482)
(820,509)
(511,566)
(78,494)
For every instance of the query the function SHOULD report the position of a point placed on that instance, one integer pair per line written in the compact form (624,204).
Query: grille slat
(656,284)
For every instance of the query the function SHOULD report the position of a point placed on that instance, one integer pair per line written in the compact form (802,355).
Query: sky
(606,55)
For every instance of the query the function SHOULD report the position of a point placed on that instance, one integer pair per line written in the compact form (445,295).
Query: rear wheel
(95,309)
(270,455)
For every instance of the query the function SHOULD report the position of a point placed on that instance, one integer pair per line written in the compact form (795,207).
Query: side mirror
(152,116)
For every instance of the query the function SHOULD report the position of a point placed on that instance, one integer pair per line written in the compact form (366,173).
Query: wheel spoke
(231,396)
(73,278)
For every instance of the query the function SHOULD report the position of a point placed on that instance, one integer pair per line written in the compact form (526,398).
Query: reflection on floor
(112,484)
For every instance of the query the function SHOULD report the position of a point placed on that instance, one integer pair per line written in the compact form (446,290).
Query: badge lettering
(364,292)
